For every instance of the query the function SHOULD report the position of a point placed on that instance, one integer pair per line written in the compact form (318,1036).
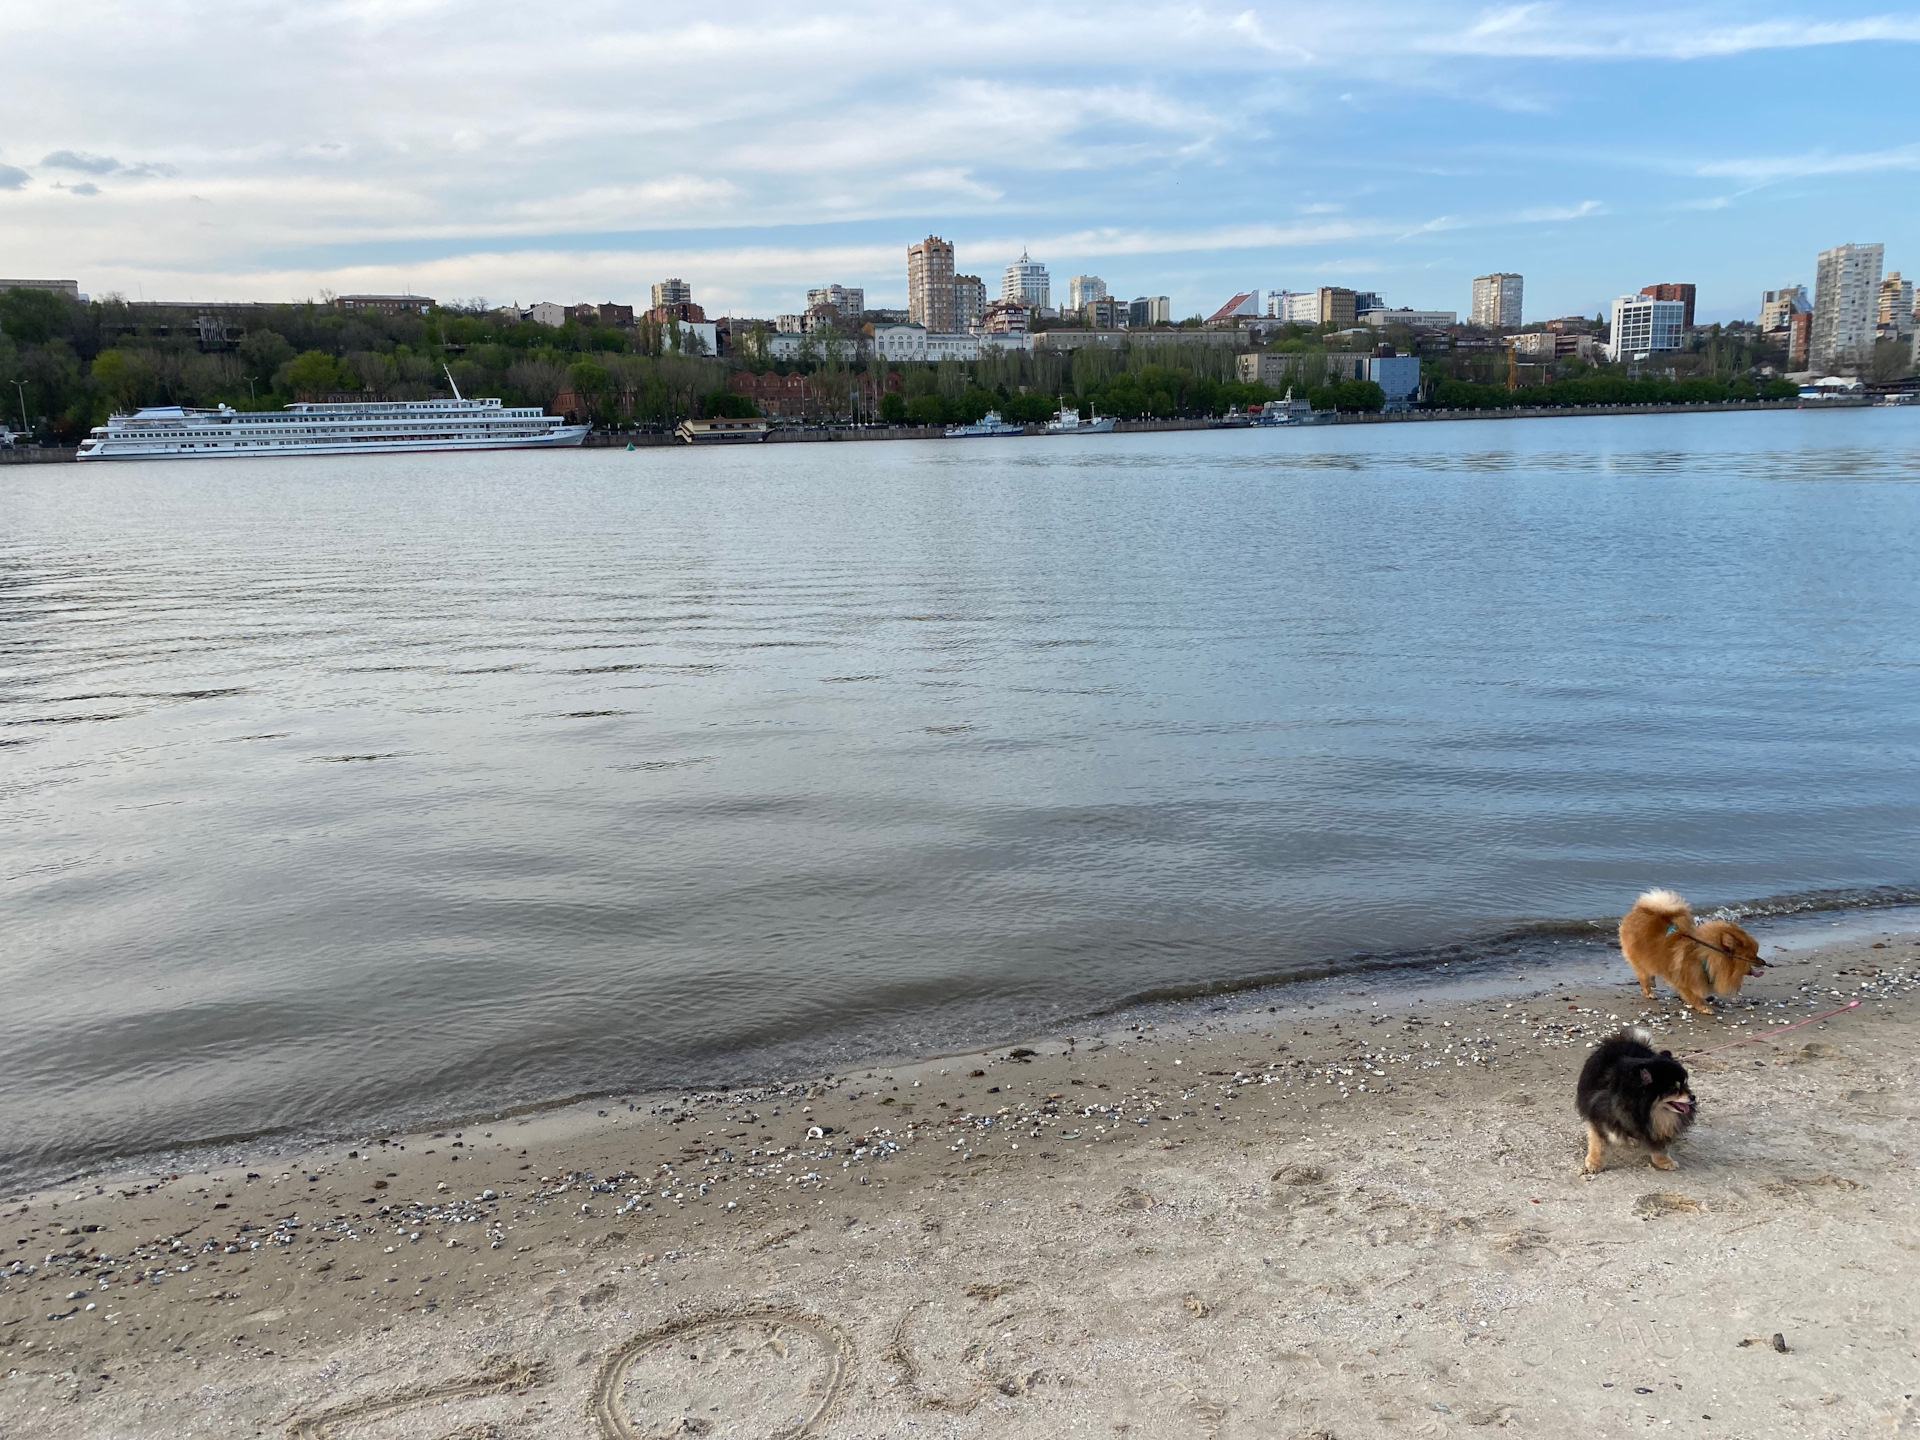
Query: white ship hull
(558,440)
(352,428)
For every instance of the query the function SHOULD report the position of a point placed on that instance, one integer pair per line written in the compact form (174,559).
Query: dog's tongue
(1685,1107)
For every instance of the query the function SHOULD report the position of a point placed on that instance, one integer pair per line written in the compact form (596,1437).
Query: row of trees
(1608,389)
(77,363)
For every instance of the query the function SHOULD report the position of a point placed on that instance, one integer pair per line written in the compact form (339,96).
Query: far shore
(1347,1210)
(615,439)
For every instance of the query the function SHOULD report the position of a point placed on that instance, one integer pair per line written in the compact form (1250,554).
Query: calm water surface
(337,793)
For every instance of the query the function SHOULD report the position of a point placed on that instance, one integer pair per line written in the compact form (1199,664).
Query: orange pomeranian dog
(1659,936)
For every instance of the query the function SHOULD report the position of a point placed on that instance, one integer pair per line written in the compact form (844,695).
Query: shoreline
(1486,961)
(615,440)
(1242,1220)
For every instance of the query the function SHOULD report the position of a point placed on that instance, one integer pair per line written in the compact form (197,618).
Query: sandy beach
(1362,1218)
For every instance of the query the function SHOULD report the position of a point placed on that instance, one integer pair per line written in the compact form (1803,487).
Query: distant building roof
(1247,302)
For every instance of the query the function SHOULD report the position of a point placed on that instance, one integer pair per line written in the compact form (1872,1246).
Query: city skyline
(1258,147)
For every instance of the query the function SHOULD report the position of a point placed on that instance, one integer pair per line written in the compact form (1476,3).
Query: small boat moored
(989,424)
(1289,411)
(721,431)
(1068,422)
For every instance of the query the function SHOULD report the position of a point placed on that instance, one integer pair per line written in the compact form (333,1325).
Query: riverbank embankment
(801,434)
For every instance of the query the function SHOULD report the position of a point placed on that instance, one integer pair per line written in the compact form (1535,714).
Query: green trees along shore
(76,363)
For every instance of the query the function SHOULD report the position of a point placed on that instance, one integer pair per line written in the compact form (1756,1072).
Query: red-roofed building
(1244,306)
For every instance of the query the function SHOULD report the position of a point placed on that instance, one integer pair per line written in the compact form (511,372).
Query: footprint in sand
(1665,1202)
(968,1352)
(1807,1188)
(501,1377)
(756,1375)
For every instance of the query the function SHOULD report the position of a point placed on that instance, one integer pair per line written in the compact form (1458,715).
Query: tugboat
(989,424)
(1068,422)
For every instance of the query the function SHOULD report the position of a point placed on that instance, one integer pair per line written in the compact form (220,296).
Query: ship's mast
(451,381)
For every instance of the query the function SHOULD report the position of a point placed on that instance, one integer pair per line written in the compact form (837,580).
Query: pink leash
(1769,1034)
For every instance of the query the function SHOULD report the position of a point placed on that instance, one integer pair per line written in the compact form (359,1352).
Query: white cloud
(1591,32)
(1768,168)
(463,132)
(1541,214)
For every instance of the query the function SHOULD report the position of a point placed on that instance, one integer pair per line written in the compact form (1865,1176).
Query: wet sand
(1364,1218)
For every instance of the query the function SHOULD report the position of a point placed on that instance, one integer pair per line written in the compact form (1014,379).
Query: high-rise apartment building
(1846,305)
(930,285)
(850,301)
(1496,301)
(1682,293)
(1025,280)
(1645,326)
(1896,308)
(969,301)
(671,292)
(1083,290)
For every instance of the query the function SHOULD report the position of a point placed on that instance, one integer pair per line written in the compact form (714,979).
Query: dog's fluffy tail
(1664,903)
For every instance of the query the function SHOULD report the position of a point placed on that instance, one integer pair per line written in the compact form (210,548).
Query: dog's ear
(1666,1054)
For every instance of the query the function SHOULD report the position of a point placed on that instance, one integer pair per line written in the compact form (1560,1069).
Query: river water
(340,793)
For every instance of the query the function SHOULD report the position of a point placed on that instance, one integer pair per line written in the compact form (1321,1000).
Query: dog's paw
(1662,1162)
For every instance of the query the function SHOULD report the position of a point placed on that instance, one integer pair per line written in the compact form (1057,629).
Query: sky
(190,150)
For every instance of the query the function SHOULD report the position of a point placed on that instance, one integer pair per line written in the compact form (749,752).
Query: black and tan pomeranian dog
(1631,1093)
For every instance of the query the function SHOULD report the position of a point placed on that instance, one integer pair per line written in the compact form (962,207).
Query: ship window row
(417,429)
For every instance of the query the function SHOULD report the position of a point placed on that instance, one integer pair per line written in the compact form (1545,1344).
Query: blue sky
(181,149)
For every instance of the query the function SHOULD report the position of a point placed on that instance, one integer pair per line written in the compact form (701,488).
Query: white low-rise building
(546,313)
(910,343)
(1412,319)
(900,344)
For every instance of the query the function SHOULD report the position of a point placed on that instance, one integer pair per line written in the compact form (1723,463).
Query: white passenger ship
(361,427)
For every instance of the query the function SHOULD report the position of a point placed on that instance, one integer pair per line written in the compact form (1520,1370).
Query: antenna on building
(451,381)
